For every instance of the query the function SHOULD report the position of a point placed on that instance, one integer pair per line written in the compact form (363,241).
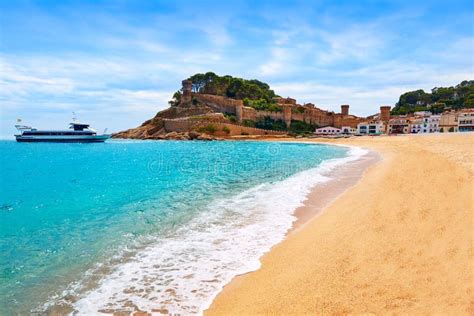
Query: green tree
(231,87)
(440,99)
(469,102)
(262,105)
(176,99)
(271,124)
(438,94)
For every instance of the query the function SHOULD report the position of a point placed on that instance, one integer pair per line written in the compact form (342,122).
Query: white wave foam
(184,272)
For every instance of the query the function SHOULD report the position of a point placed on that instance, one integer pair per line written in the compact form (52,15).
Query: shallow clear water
(90,225)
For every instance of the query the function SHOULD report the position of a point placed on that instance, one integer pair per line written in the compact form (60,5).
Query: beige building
(399,125)
(448,122)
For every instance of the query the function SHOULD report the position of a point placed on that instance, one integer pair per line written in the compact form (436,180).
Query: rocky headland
(210,107)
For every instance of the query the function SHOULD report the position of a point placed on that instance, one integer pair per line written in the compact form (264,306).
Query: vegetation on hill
(296,127)
(254,93)
(261,104)
(440,99)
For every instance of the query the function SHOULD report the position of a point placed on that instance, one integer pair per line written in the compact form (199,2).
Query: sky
(117,63)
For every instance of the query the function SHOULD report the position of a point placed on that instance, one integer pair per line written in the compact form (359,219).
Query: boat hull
(70,139)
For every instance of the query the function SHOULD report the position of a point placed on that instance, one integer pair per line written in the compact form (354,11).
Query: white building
(425,124)
(371,128)
(328,130)
(466,121)
(422,113)
(348,130)
(415,125)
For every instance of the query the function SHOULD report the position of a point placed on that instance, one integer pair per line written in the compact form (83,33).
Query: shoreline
(321,196)
(346,175)
(342,177)
(309,272)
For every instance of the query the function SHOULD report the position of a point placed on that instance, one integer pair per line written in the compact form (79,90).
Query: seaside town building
(399,125)
(328,130)
(466,121)
(371,128)
(416,125)
(448,122)
(424,122)
(375,124)
(347,130)
(432,123)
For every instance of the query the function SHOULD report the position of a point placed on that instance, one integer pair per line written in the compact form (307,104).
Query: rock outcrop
(155,128)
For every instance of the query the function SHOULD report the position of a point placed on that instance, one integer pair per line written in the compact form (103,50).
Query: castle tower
(187,87)
(385,113)
(345,109)
(287,114)
(239,110)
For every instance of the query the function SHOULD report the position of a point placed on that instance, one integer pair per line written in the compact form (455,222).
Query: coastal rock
(156,137)
(205,136)
(183,136)
(152,130)
(171,135)
(193,135)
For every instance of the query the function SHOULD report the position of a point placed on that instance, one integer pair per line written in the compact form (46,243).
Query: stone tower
(287,114)
(239,110)
(345,109)
(385,113)
(187,91)
(286,105)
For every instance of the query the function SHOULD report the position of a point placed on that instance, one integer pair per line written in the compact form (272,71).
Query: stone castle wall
(319,117)
(248,113)
(178,125)
(219,103)
(300,117)
(274,115)
(223,128)
(235,130)
(346,120)
(311,115)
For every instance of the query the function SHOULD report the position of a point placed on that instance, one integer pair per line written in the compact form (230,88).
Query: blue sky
(116,63)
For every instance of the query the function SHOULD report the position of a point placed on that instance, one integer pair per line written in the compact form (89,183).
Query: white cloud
(106,92)
(364,101)
(280,57)
(356,42)
(218,35)
(299,47)
(366,92)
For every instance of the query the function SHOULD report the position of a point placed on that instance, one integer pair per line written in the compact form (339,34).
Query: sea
(159,226)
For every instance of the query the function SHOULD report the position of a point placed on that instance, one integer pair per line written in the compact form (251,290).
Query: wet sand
(322,195)
(399,241)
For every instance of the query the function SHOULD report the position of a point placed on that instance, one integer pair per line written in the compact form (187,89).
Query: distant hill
(253,92)
(440,99)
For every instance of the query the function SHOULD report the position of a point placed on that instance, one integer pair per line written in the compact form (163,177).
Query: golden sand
(400,241)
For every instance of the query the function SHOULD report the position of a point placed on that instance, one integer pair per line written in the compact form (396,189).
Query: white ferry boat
(77,133)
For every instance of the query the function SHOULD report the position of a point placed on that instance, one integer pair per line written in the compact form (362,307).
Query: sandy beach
(399,241)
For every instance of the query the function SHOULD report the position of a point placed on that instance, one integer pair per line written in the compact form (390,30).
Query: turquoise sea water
(76,219)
